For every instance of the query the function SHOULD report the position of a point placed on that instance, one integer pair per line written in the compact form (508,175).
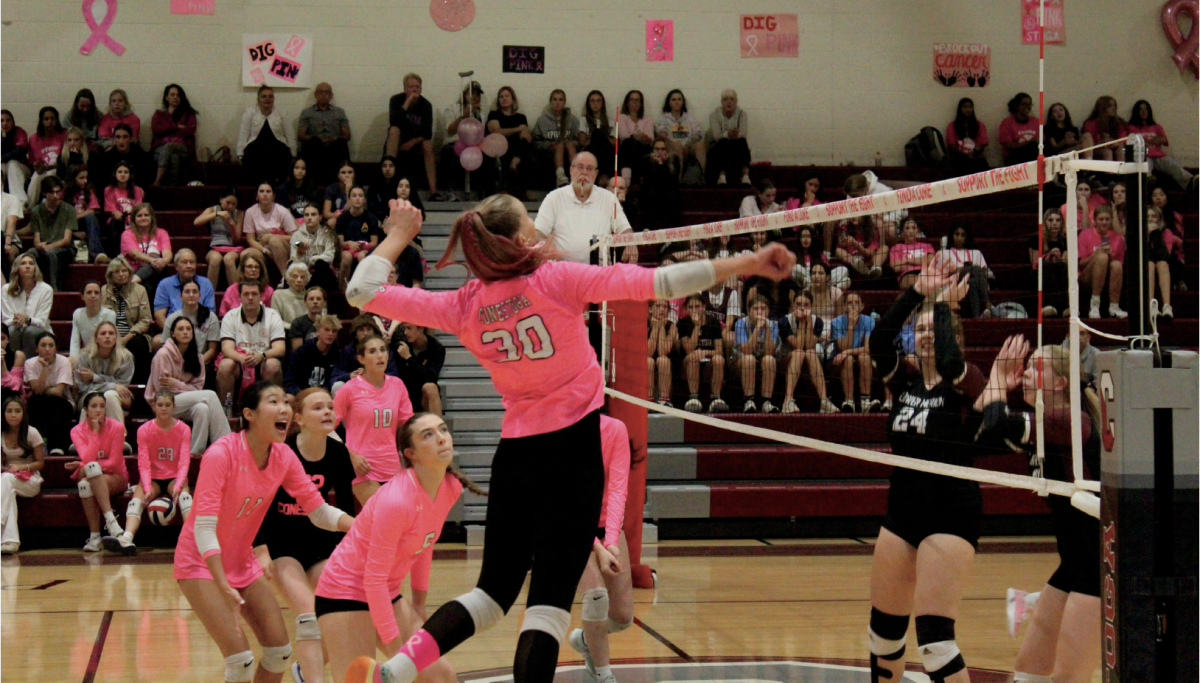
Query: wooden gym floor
(763,610)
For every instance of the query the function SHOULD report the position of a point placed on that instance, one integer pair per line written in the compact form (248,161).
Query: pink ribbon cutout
(1187,48)
(100,31)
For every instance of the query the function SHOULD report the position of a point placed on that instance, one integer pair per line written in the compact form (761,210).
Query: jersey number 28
(910,416)
(535,346)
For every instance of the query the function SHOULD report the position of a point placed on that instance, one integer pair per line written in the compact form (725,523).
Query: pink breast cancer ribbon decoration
(1187,48)
(100,31)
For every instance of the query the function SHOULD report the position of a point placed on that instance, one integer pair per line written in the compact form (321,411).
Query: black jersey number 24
(910,416)
(533,336)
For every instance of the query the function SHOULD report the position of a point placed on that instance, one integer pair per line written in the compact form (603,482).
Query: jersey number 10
(542,348)
(383,418)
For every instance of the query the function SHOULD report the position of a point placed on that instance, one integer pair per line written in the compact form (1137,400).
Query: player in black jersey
(293,557)
(1062,642)
(927,544)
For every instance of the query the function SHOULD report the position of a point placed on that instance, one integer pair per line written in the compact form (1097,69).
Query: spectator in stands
(121,195)
(83,115)
(347,366)
(827,304)
(266,141)
(268,227)
(1061,136)
(959,249)
(1019,132)
(206,326)
(12,367)
(761,202)
(1104,126)
(404,190)
(757,343)
(571,216)
(966,139)
(225,227)
(850,334)
(15,155)
(1102,259)
(12,210)
(297,190)
(597,135)
(25,457)
(79,193)
(337,195)
(1118,194)
(779,293)
(315,246)
(357,231)
(53,223)
(1172,220)
(174,128)
(1053,264)
(251,268)
(312,362)
(75,152)
(131,304)
(44,147)
(50,389)
(860,248)
(469,105)
(702,346)
(324,133)
(179,368)
(557,130)
(119,111)
(861,185)
(101,473)
(252,342)
(382,191)
(1141,121)
(909,256)
(1086,203)
(811,184)
(661,345)
(506,119)
(27,304)
(106,368)
(124,150)
(1160,243)
(289,301)
(800,331)
(419,360)
(658,201)
(168,297)
(147,244)
(682,131)
(808,252)
(729,152)
(86,319)
(410,133)
(636,133)
(723,304)
(304,328)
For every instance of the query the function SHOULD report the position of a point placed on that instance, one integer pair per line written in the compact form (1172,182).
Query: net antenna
(1039,407)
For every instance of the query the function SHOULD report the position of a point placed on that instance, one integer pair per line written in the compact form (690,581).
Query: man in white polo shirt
(252,342)
(573,214)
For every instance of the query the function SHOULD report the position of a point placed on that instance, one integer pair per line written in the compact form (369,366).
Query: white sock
(402,668)
(1095,301)
(603,672)
(110,516)
(94,534)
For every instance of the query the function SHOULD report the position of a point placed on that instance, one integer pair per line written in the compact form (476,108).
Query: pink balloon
(471,158)
(494,145)
(459,146)
(470,131)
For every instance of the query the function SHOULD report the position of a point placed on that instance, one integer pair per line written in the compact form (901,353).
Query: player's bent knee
(484,611)
(275,659)
(239,668)
(595,604)
(92,469)
(615,626)
(307,627)
(550,620)
(85,489)
(939,651)
(134,509)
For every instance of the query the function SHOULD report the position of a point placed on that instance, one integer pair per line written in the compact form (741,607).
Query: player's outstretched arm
(682,279)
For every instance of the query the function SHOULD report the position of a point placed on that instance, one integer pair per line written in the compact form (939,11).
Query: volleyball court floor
(785,610)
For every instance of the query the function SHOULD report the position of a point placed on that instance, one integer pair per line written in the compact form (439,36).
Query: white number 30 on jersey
(533,335)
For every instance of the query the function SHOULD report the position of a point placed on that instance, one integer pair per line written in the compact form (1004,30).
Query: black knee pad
(939,651)
(886,637)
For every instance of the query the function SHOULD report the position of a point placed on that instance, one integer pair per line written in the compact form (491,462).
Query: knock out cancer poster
(282,60)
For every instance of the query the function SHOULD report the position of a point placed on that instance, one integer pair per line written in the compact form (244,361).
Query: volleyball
(161,511)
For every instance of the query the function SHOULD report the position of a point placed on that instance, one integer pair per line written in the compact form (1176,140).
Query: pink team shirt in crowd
(155,244)
(372,417)
(1011,131)
(614,444)
(118,199)
(234,490)
(529,333)
(1092,127)
(106,447)
(46,150)
(163,454)
(278,222)
(392,536)
(109,123)
(1152,151)
(966,145)
(1090,239)
(900,250)
(86,201)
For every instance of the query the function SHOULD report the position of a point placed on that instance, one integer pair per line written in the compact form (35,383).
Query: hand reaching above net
(936,275)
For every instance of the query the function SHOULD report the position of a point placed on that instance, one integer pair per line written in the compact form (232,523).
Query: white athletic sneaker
(93,545)
(297,677)
(721,179)
(750,406)
(579,644)
(610,678)
(827,406)
(114,528)
(768,408)
(9,548)
(875,272)
(789,406)
(1015,609)
(718,406)
(848,405)
(1115,311)
(693,405)
(1167,312)
(864,404)
(1094,308)
(887,406)
(746,179)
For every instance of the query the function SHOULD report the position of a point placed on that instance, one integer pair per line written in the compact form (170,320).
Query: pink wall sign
(193,6)
(262,51)
(770,35)
(962,65)
(1056,27)
(660,40)
(285,69)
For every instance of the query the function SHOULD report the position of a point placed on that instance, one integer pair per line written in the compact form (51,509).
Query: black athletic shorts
(164,486)
(306,553)
(914,522)
(325,606)
(1078,536)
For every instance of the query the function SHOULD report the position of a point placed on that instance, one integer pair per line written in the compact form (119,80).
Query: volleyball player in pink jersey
(373,406)
(164,455)
(358,599)
(100,471)
(522,317)
(607,585)
(214,562)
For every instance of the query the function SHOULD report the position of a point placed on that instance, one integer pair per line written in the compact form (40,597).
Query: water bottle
(878,160)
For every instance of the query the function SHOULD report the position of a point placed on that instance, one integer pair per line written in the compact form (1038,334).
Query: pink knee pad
(422,649)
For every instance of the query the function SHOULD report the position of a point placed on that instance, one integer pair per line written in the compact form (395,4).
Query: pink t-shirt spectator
(1090,240)
(232,298)
(109,123)
(626,127)
(372,417)
(1092,127)
(391,537)
(46,150)
(233,489)
(118,199)
(614,444)
(1152,151)
(278,221)
(901,251)
(106,448)
(86,201)
(967,145)
(1013,132)
(529,334)
(164,454)
(167,129)
(155,244)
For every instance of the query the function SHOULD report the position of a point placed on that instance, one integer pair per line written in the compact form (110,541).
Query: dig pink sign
(770,35)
